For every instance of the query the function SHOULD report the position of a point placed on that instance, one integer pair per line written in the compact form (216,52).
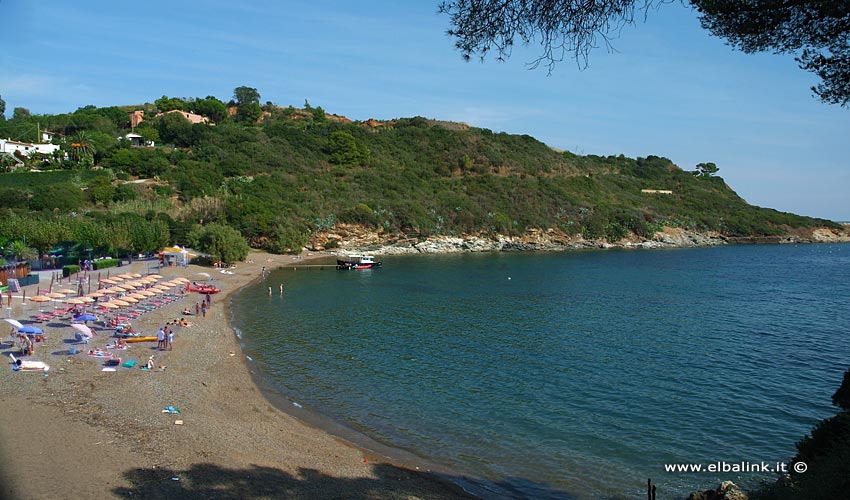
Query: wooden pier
(309,267)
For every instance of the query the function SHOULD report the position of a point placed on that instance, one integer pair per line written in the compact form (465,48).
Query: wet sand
(80,432)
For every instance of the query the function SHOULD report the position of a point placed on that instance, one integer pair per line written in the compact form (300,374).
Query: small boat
(349,262)
(205,289)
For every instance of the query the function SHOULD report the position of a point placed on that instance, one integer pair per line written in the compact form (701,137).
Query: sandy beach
(79,432)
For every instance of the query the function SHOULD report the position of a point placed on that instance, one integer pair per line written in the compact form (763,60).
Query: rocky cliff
(353,238)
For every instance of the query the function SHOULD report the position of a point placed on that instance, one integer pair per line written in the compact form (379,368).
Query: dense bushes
(70,270)
(277,181)
(104,263)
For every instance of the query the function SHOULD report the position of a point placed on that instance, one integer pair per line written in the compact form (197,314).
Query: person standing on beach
(281,289)
(160,339)
(204,309)
(170,339)
(197,308)
(208,299)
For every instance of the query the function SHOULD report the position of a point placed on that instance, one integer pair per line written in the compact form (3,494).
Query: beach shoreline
(79,432)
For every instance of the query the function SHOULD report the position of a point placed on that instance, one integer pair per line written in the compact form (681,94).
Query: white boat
(349,262)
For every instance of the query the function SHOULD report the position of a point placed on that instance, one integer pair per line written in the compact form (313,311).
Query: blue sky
(670,89)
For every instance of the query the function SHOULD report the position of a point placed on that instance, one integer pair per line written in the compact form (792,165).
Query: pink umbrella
(83,329)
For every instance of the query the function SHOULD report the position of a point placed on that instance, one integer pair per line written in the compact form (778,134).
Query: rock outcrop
(726,491)
(354,238)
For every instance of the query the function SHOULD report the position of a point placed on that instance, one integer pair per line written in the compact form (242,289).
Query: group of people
(165,338)
(200,307)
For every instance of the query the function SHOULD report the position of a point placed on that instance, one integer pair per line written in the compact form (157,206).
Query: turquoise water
(566,375)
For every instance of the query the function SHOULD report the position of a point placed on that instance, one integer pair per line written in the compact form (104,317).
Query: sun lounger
(28,365)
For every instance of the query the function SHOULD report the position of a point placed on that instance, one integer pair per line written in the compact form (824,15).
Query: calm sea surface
(566,375)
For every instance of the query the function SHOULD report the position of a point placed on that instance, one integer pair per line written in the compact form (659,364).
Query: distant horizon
(667,89)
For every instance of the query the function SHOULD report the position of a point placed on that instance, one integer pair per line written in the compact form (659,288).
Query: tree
(221,242)
(81,147)
(344,149)
(165,104)
(818,28)
(706,169)
(2,109)
(245,95)
(818,31)
(21,114)
(249,112)
(20,251)
(210,107)
(248,104)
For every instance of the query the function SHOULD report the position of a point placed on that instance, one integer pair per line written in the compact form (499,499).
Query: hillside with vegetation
(273,176)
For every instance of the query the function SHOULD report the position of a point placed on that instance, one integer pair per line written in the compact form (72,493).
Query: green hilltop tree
(706,170)
(248,108)
(2,109)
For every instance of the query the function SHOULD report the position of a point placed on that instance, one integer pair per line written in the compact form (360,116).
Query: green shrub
(104,263)
(69,270)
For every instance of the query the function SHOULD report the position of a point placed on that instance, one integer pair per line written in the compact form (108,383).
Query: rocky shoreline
(352,238)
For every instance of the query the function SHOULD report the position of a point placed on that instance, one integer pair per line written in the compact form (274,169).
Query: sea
(568,375)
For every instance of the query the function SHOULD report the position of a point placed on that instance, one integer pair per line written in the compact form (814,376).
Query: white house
(26,148)
(137,140)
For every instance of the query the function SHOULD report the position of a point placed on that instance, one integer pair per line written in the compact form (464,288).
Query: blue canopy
(85,317)
(30,330)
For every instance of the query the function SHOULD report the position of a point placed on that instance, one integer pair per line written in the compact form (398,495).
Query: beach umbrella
(30,330)
(40,298)
(85,300)
(154,276)
(85,317)
(13,322)
(119,303)
(135,275)
(82,329)
(97,294)
(109,305)
(145,293)
(135,295)
(129,299)
(75,300)
(108,281)
(56,295)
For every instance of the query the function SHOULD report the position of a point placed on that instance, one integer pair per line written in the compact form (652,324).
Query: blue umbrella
(85,317)
(30,330)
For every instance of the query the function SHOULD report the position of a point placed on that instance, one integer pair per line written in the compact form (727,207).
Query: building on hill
(192,117)
(49,136)
(138,141)
(136,117)
(26,148)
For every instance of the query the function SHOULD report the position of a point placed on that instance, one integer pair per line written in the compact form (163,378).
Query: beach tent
(176,256)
